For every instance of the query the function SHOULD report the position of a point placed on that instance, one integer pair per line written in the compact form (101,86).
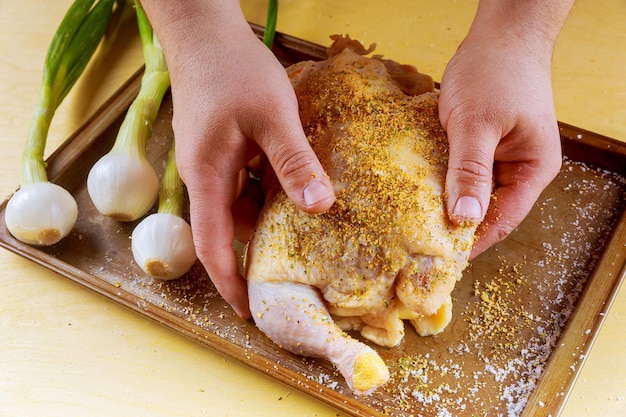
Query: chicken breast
(386,251)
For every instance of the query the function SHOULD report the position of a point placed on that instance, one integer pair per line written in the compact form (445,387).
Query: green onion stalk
(40,212)
(270,23)
(162,243)
(123,183)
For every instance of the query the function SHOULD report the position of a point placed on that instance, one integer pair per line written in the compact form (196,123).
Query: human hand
(496,106)
(233,100)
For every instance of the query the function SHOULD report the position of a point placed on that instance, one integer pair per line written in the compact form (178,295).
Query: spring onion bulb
(123,183)
(40,212)
(162,243)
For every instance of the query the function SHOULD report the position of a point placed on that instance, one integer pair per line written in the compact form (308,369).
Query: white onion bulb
(162,246)
(123,186)
(41,214)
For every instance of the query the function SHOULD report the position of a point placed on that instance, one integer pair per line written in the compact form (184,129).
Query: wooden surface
(66,351)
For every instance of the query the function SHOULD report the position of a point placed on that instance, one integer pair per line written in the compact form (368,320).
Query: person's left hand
(496,106)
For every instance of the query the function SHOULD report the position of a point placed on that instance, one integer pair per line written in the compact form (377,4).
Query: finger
(212,222)
(295,164)
(510,205)
(469,175)
(246,210)
(518,186)
(507,210)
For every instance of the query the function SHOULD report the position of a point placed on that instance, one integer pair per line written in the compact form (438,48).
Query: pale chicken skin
(386,250)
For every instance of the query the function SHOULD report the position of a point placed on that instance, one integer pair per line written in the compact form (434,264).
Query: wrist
(530,25)
(187,26)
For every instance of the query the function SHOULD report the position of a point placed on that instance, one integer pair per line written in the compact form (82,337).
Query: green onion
(42,213)
(270,23)
(162,243)
(172,192)
(123,183)
(71,49)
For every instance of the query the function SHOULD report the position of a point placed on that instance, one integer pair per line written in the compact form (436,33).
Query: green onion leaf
(270,23)
(72,45)
(83,45)
(63,37)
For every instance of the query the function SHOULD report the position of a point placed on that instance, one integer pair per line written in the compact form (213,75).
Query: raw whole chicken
(385,251)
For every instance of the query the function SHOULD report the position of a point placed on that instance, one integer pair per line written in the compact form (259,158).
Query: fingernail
(468,208)
(242,311)
(314,192)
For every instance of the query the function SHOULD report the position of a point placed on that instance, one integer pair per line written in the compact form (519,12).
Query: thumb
(296,166)
(469,176)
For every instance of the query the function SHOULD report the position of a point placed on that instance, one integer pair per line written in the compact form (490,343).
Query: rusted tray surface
(525,313)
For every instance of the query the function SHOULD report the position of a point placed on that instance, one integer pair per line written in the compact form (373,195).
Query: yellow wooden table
(65,351)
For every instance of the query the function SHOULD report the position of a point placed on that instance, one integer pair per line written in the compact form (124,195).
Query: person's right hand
(233,100)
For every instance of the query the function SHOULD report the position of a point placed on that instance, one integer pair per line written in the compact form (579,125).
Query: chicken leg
(295,317)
